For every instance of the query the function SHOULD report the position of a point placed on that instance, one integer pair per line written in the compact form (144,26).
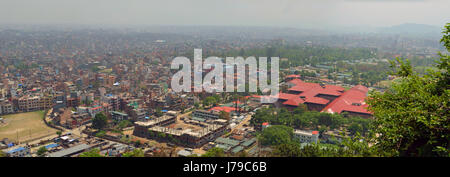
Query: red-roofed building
(314,95)
(225,108)
(265,125)
(352,101)
(325,98)
(294,82)
(294,102)
(236,102)
(291,77)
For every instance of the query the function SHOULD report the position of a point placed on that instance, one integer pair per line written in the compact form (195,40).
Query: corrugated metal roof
(70,151)
(237,149)
(51,146)
(16,150)
(227,141)
(249,142)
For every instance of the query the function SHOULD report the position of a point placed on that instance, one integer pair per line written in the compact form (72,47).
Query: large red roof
(293,76)
(287,96)
(296,81)
(309,92)
(294,101)
(304,86)
(351,101)
(226,109)
(316,100)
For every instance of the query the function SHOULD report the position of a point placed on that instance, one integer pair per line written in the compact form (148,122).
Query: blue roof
(164,110)
(10,144)
(16,150)
(51,146)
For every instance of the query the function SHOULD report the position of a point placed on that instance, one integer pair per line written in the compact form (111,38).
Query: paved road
(241,124)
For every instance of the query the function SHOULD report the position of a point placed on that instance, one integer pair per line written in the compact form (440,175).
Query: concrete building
(28,103)
(118,116)
(305,136)
(161,128)
(35,103)
(6,107)
(206,114)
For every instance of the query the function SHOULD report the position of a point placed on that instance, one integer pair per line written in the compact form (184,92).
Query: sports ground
(24,126)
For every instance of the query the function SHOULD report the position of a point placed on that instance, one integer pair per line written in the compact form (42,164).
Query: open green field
(24,126)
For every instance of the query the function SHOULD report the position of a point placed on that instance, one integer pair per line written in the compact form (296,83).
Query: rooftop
(352,101)
(69,151)
(227,141)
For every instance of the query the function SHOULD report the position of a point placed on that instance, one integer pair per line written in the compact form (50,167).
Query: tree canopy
(41,151)
(135,153)
(412,116)
(214,152)
(92,153)
(99,121)
(276,134)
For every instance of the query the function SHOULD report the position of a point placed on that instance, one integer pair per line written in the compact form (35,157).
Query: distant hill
(412,29)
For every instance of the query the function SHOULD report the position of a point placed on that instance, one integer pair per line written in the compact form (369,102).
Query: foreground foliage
(412,117)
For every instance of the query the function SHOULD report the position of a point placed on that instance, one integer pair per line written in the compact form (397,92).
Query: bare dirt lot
(25,126)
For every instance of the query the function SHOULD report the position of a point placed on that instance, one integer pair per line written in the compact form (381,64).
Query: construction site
(186,131)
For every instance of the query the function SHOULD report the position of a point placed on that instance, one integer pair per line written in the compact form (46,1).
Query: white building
(306,137)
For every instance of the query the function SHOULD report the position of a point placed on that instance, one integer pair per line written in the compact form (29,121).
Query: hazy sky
(286,13)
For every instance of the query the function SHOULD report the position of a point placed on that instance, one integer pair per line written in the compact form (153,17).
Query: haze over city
(321,14)
(225,78)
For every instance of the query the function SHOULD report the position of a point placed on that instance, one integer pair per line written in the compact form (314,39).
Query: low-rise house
(18,152)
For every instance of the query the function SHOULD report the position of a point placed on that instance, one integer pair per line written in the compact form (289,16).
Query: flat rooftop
(306,133)
(70,151)
(200,132)
(153,121)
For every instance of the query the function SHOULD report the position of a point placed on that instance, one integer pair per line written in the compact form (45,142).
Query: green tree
(158,112)
(99,121)
(276,135)
(211,100)
(412,117)
(287,150)
(355,127)
(137,143)
(124,123)
(2,154)
(225,115)
(41,151)
(100,133)
(301,109)
(196,105)
(135,153)
(214,152)
(92,153)
(59,133)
